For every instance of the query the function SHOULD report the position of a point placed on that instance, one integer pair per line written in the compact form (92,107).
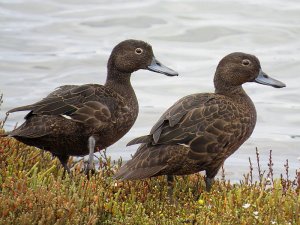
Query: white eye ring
(138,51)
(246,62)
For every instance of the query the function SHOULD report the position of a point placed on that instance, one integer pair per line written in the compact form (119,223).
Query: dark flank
(200,131)
(75,120)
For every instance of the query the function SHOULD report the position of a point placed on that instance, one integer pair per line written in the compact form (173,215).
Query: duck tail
(21,108)
(126,173)
(139,140)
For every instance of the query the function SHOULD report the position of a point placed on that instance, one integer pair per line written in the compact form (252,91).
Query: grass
(34,190)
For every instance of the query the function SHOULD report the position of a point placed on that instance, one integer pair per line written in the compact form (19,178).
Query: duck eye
(138,51)
(246,62)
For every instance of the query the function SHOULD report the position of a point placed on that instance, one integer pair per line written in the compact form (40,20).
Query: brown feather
(67,118)
(139,140)
(201,130)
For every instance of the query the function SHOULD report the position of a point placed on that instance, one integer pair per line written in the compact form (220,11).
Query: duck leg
(209,182)
(64,161)
(211,172)
(196,193)
(170,181)
(90,164)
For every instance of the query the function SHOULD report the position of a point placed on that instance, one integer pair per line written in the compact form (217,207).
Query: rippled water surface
(48,43)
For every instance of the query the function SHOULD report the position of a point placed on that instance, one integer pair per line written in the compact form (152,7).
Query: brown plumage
(201,130)
(75,119)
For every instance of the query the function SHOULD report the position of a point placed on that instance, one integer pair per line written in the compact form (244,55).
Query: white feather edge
(67,117)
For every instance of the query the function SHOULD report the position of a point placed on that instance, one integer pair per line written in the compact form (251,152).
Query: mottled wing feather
(142,139)
(171,117)
(93,114)
(206,124)
(52,98)
(174,114)
(203,127)
(91,104)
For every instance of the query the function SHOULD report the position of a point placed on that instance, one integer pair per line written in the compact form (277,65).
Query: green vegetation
(34,190)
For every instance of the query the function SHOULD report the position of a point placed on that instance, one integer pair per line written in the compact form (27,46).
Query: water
(48,43)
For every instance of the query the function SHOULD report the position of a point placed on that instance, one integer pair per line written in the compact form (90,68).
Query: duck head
(132,55)
(238,68)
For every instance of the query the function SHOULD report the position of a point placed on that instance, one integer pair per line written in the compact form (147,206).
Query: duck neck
(230,90)
(120,82)
(222,87)
(234,92)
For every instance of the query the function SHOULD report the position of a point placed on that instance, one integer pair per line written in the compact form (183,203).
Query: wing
(90,104)
(208,125)
(172,117)
(55,96)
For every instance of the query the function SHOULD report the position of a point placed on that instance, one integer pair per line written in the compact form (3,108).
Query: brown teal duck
(200,131)
(75,120)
